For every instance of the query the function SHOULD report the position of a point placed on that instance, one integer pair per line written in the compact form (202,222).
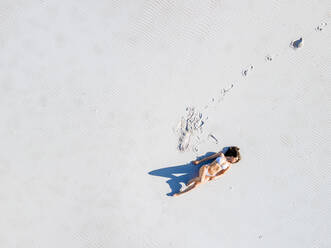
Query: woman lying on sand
(213,170)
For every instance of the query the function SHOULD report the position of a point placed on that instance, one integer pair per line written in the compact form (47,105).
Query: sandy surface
(91,96)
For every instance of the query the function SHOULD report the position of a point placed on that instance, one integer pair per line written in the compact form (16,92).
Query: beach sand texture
(95,97)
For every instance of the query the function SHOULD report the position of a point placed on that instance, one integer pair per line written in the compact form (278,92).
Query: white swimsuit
(219,160)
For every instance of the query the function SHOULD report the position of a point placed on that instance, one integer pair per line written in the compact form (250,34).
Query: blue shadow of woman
(187,172)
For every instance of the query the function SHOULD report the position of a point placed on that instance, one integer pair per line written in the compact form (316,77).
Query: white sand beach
(94,99)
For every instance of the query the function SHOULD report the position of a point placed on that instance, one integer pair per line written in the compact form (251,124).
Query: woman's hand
(196,162)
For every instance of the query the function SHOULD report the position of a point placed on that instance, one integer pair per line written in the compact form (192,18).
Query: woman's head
(232,154)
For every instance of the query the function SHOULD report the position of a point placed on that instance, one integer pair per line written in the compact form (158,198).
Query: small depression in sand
(297,43)
(247,70)
(321,26)
(268,58)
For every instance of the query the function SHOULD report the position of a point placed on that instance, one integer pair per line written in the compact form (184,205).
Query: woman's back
(220,163)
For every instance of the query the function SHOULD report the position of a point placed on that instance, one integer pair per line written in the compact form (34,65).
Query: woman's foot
(189,182)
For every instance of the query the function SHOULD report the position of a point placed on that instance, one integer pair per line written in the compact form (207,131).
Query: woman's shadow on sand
(186,171)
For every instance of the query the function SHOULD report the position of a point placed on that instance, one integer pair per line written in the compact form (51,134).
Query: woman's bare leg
(197,181)
(192,180)
(188,188)
(201,177)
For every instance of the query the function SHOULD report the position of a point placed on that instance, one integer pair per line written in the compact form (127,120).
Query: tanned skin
(214,169)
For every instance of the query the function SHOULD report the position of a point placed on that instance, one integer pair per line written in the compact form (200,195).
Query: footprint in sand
(189,129)
(212,138)
(297,43)
(268,58)
(224,91)
(321,26)
(247,70)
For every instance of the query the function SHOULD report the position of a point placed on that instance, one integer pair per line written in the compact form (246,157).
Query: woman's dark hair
(233,151)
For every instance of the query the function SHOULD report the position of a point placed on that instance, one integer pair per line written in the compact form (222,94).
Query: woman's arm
(208,158)
(219,174)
